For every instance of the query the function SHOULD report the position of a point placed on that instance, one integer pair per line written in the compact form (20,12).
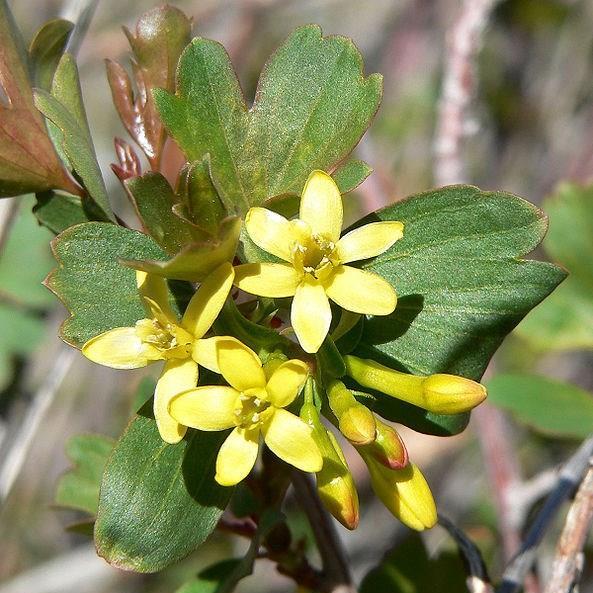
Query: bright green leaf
(461,284)
(98,291)
(78,488)
(351,174)
(65,109)
(158,502)
(209,580)
(58,212)
(565,320)
(552,407)
(312,107)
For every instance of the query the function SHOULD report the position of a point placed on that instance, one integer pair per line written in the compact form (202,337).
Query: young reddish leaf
(28,161)
(129,164)
(160,37)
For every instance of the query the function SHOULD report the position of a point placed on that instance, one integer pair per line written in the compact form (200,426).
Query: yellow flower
(163,337)
(315,257)
(252,405)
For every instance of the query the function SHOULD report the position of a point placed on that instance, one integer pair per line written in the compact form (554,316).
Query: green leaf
(209,580)
(154,199)
(46,49)
(416,418)
(350,175)
(97,290)
(461,282)
(408,569)
(196,260)
(551,407)
(58,212)
(158,502)
(311,108)
(28,161)
(565,320)
(65,109)
(78,488)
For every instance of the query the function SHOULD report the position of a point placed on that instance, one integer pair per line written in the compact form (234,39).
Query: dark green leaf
(311,108)
(46,49)
(416,418)
(78,488)
(461,283)
(408,569)
(565,320)
(65,109)
(196,260)
(210,579)
(158,502)
(28,162)
(552,407)
(98,291)
(58,212)
(329,360)
(154,199)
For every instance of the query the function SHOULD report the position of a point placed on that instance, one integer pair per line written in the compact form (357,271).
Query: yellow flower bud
(405,493)
(388,447)
(441,393)
(356,421)
(335,484)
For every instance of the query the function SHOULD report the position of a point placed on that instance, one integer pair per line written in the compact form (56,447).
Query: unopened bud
(441,393)
(405,493)
(356,421)
(388,447)
(335,484)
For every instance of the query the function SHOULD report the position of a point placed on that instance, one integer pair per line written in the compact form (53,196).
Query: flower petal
(239,365)
(321,205)
(237,456)
(153,287)
(178,375)
(269,280)
(205,305)
(204,352)
(270,231)
(119,348)
(286,382)
(310,314)
(206,408)
(369,240)
(361,292)
(290,439)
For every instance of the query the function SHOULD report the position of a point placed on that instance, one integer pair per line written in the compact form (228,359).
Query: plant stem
(333,556)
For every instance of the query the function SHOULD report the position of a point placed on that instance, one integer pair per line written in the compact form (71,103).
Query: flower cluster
(279,399)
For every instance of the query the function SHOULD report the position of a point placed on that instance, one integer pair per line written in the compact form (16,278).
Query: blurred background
(531,127)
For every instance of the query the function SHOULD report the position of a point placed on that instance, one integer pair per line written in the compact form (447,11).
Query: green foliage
(565,320)
(65,109)
(408,569)
(46,49)
(311,108)
(211,578)
(78,488)
(58,212)
(551,407)
(98,291)
(158,502)
(28,161)
(25,262)
(461,283)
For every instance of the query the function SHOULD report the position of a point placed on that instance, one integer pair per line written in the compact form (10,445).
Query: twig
(335,563)
(8,210)
(568,562)
(458,88)
(44,397)
(478,580)
(568,479)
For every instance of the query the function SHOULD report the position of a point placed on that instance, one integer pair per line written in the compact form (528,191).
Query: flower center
(167,338)
(251,408)
(316,256)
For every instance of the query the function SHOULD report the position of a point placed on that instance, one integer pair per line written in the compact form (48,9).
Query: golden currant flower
(163,336)
(252,405)
(315,261)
